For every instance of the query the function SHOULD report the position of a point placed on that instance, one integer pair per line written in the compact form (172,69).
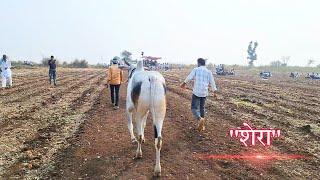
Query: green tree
(275,63)
(310,62)
(127,55)
(64,63)
(252,55)
(79,63)
(285,60)
(44,61)
(84,63)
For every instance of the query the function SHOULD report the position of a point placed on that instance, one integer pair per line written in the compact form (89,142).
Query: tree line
(74,64)
(285,59)
(44,63)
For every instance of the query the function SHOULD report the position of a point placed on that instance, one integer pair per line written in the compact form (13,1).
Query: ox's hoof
(143,140)
(139,155)
(157,173)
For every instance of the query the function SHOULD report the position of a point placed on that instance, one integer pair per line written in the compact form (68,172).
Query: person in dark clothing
(52,70)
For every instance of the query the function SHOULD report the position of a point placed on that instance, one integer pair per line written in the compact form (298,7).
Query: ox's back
(147,89)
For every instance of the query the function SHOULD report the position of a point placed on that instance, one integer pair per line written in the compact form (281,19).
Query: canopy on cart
(151,58)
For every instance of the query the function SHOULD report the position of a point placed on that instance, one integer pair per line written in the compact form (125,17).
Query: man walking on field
(5,69)
(115,76)
(202,77)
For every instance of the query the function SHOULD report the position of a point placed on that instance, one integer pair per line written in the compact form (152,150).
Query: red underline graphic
(275,157)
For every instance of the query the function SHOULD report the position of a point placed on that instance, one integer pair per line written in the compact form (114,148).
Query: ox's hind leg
(130,127)
(158,145)
(140,126)
(158,114)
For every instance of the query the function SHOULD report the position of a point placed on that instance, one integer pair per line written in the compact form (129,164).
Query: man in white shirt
(202,77)
(5,69)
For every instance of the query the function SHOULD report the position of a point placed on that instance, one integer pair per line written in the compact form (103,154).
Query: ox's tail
(152,96)
(157,103)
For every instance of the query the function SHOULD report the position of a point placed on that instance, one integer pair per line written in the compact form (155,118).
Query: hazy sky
(177,30)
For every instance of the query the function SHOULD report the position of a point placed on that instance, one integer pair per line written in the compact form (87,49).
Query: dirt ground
(72,132)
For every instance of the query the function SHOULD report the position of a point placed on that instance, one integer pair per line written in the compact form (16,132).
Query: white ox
(146,92)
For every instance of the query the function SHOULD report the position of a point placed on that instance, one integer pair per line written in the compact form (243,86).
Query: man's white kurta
(6,72)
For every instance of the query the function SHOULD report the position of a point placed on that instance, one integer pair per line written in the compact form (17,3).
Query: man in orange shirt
(115,76)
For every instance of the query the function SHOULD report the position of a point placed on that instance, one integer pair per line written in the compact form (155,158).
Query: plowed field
(72,132)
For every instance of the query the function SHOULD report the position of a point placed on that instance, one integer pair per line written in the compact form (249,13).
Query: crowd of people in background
(313,75)
(220,70)
(154,65)
(294,74)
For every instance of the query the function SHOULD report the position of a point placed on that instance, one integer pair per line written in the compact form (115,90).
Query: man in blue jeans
(52,70)
(202,77)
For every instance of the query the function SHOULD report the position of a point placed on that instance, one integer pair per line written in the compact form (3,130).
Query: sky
(179,31)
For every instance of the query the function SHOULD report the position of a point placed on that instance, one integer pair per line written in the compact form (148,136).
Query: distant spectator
(5,70)
(52,70)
